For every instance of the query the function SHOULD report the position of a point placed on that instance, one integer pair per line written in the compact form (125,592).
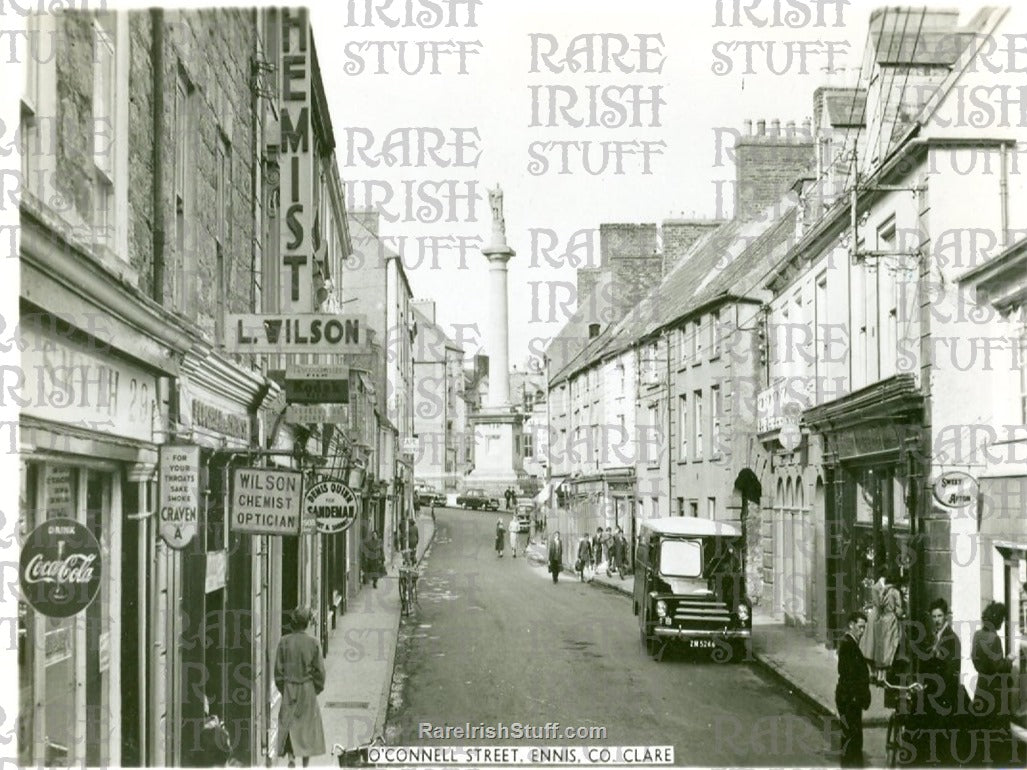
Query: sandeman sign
(332,505)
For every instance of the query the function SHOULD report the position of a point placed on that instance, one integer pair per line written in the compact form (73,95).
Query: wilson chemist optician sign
(266,501)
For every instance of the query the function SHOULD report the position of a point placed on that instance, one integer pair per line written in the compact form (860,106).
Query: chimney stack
(767,165)
(747,124)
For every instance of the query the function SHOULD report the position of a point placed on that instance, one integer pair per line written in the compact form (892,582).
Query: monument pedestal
(497,463)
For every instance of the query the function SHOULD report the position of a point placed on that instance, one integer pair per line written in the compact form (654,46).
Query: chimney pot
(761,127)
(806,127)
(775,127)
(790,129)
(747,124)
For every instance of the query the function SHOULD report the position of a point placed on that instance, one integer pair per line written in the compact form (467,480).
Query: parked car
(428,495)
(478,500)
(690,587)
(521,522)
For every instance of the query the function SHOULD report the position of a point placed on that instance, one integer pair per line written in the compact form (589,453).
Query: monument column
(497,427)
(498,253)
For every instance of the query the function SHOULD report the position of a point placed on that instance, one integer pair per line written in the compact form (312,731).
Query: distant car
(427,495)
(478,500)
(522,519)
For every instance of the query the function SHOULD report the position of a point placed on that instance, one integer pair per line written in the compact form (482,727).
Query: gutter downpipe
(157,117)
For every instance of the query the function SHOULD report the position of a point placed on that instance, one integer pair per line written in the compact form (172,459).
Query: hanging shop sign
(317,384)
(296,160)
(332,505)
(266,501)
(179,494)
(956,489)
(334,414)
(295,333)
(60,568)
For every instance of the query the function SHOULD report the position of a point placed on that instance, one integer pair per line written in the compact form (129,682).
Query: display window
(65,662)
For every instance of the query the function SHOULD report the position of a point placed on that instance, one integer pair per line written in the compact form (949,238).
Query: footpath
(360,659)
(806,667)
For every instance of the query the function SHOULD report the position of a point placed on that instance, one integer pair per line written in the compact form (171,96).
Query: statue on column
(498,223)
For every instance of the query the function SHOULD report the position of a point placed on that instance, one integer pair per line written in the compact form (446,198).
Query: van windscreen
(681,558)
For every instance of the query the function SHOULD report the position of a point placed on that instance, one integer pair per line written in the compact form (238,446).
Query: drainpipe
(1003,192)
(157,116)
(670,433)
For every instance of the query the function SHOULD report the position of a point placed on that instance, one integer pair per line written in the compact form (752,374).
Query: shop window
(57,726)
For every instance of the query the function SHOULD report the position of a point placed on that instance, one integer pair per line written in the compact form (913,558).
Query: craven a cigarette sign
(179,494)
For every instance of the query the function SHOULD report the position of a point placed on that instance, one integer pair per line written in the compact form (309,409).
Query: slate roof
(572,340)
(433,332)
(921,48)
(729,262)
(848,107)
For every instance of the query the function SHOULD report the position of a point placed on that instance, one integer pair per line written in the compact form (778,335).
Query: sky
(492,79)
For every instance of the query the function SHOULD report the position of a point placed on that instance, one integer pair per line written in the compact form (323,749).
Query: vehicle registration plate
(701,643)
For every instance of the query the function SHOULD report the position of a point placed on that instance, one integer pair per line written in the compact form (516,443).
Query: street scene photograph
(466,383)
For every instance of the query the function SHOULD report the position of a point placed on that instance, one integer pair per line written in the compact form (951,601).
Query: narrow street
(495,641)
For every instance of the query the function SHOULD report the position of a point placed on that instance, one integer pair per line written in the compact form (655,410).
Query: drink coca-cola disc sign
(60,568)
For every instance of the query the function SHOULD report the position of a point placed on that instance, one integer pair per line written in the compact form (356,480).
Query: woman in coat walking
(887,629)
(300,678)
(500,532)
(374,558)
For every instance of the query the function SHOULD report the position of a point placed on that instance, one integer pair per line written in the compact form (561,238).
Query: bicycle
(408,575)
(896,742)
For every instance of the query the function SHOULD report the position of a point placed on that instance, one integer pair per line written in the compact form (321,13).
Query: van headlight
(743,613)
(661,609)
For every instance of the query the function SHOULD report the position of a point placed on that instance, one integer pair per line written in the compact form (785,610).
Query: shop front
(88,454)
(872,471)
(222,588)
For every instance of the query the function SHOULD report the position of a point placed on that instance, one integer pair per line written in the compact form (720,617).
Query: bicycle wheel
(892,744)
(404,599)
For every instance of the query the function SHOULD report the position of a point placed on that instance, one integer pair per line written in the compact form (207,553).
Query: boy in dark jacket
(852,694)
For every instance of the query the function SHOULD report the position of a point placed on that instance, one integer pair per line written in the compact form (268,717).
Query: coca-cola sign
(60,568)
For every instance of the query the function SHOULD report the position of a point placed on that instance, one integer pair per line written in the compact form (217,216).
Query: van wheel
(649,643)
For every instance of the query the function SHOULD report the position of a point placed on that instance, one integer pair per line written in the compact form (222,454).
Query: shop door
(98,661)
(64,663)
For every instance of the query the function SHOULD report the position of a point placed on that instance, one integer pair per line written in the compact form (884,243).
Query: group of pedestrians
(605,549)
(882,648)
(518,538)
(510,496)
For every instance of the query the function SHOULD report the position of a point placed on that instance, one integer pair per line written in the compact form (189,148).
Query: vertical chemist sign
(296,159)
(179,494)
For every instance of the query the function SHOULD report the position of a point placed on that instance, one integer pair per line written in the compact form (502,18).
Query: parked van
(690,586)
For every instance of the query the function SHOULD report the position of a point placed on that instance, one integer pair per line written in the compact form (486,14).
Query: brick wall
(214,50)
(767,163)
(631,253)
(73,180)
(587,279)
(679,235)
(140,139)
